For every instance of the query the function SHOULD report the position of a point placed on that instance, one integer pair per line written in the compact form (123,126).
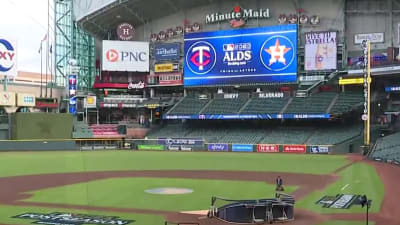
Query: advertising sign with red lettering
(267,148)
(294,148)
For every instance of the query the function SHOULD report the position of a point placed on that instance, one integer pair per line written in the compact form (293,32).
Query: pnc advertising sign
(132,56)
(8,57)
(254,55)
(294,148)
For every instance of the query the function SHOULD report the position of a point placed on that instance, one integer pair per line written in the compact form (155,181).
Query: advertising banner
(131,56)
(217,147)
(7,98)
(372,37)
(294,148)
(90,102)
(26,100)
(253,55)
(151,147)
(392,88)
(247,116)
(8,57)
(348,81)
(170,79)
(319,149)
(180,141)
(242,148)
(166,67)
(267,148)
(320,51)
(72,86)
(167,51)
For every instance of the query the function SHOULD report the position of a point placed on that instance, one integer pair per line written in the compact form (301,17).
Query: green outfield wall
(27,126)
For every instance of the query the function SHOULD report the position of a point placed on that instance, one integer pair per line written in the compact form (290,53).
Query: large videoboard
(243,56)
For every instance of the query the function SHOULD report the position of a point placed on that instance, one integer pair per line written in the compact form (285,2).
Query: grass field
(129,192)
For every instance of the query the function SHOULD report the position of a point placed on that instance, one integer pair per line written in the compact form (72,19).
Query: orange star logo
(277,53)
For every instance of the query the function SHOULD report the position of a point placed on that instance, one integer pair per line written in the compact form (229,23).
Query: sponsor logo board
(319,149)
(216,147)
(167,51)
(294,148)
(131,56)
(26,100)
(180,141)
(8,57)
(242,148)
(166,67)
(7,98)
(151,147)
(267,148)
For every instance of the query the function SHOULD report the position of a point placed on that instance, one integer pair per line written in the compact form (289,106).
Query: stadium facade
(216,63)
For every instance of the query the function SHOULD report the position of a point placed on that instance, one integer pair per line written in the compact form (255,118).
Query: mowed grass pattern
(130,193)
(25,163)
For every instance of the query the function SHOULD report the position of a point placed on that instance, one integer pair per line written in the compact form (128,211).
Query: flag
(44,39)
(51,49)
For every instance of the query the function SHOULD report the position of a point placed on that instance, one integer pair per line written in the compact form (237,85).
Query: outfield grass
(131,193)
(6,212)
(24,163)
(359,178)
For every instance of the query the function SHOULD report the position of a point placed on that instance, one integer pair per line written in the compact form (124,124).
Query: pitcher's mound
(169,191)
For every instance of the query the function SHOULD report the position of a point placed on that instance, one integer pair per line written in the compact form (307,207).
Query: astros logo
(7,55)
(112,55)
(201,57)
(277,53)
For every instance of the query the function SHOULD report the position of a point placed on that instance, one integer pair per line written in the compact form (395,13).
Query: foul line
(345,186)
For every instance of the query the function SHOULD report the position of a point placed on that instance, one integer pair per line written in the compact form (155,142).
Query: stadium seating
(388,148)
(169,131)
(317,103)
(189,105)
(265,105)
(225,106)
(334,135)
(346,102)
(287,135)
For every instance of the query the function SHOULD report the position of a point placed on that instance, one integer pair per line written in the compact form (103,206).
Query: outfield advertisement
(294,148)
(247,116)
(151,147)
(253,55)
(216,147)
(319,149)
(320,51)
(267,148)
(242,148)
(181,144)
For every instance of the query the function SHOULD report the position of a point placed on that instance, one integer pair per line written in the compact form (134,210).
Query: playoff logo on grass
(62,218)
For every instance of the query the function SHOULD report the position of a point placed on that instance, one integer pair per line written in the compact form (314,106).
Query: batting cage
(270,210)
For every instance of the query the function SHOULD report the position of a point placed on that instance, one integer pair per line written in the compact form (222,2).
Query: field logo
(7,55)
(72,219)
(277,53)
(201,57)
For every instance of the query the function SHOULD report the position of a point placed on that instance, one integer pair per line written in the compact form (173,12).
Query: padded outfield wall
(26,126)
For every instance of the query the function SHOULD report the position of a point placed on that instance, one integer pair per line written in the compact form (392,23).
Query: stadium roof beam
(136,14)
(173,6)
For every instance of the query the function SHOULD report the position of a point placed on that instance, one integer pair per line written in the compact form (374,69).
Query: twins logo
(7,54)
(277,53)
(201,57)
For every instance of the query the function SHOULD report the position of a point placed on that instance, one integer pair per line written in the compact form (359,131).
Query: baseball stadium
(178,112)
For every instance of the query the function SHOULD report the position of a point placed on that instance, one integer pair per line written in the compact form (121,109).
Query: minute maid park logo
(277,53)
